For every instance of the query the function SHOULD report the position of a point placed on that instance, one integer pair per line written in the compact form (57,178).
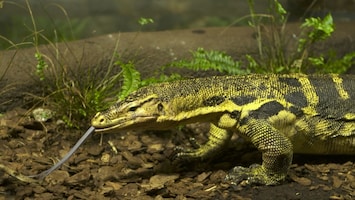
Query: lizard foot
(181,153)
(185,158)
(255,174)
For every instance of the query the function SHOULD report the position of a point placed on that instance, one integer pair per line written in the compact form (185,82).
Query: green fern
(331,63)
(211,60)
(160,79)
(131,79)
(314,30)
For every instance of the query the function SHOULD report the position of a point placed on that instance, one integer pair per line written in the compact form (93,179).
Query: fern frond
(131,79)
(211,60)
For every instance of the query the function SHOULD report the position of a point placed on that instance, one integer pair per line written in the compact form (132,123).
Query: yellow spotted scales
(279,114)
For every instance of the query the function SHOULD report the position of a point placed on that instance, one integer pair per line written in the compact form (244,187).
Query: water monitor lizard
(279,114)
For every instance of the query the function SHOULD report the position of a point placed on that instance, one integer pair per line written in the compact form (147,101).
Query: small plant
(41,66)
(73,95)
(131,78)
(270,46)
(320,29)
(315,30)
(144,21)
(203,60)
(330,63)
(60,29)
(273,54)
(82,94)
(272,43)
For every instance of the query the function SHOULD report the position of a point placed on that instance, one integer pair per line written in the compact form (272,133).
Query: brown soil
(142,167)
(139,166)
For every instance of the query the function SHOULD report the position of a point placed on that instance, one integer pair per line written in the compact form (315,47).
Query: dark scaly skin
(279,114)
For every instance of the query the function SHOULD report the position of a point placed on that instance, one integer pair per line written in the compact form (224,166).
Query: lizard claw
(181,158)
(181,153)
(194,143)
(255,174)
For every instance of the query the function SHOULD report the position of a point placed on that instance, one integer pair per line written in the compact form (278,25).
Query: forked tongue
(67,156)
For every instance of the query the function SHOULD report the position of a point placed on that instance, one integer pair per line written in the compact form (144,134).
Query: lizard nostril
(102,120)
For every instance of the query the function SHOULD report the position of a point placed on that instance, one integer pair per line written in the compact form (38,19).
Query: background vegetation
(82,96)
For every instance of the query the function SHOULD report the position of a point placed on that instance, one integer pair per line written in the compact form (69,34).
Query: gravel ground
(136,165)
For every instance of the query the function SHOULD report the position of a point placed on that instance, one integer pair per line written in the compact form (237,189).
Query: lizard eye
(160,107)
(134,108)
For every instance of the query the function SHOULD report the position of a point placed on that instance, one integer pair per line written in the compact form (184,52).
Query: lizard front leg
(218,137)
(276,151)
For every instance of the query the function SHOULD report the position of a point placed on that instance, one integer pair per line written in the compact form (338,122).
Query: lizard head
(131,113)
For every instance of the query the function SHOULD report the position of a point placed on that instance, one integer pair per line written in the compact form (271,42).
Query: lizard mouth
(137,123)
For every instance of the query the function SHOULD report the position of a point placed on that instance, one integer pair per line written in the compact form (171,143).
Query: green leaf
(144,21)
(41,66)
(322,29)
(211,60)
(160,79)
(131,79)
(280,10)
(332,64)
(318,61)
